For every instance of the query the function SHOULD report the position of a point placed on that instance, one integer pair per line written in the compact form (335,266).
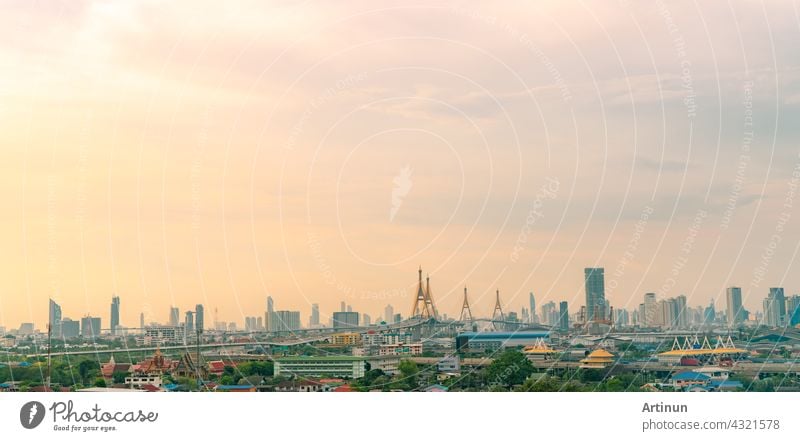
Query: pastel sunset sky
(176,153)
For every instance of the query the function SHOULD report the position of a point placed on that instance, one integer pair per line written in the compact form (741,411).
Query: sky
(317,152)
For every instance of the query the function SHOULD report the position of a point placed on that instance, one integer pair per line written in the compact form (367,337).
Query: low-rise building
(346,339)
(161,335)
(138,381)
(482,341)
(449,364)
(333,366)
(411,349)
(686,379)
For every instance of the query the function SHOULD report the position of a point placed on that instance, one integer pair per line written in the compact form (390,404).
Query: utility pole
(49,352)
(197,366)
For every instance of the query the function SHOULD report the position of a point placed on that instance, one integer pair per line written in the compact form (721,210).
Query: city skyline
(320,153)
(776,311)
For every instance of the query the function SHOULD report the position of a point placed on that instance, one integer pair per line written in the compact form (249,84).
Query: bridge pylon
(423,303)
(466,312)
(498,315)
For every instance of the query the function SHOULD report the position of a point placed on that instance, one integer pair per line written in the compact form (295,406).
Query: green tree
(510,369)
(409,374)
(119,377)
(100,382)
(87,369)
(546,383)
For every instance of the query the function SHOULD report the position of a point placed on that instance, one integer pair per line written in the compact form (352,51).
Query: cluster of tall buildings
(64,327)
(779,310)
(667,313)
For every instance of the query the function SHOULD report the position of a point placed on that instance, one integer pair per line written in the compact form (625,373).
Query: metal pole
(49,346)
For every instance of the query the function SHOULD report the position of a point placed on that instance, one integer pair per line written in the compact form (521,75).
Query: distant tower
(466,312)
(422,304)
(498,313)
(199,318)
(114,314)
(532,312)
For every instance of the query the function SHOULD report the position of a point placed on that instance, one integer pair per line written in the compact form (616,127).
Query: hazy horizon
(319,153)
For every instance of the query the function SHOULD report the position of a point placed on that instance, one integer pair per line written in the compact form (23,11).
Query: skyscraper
(388,314)
(549,314)
(532,304)
(595,293)
(682,315)
(189,324)
(90,327)
(650,305)
(313,321)
(269,319)
(199,318)
(114,314)
(286,320)
(563,316)
(141,320)
(710,314)
(793,310)
(54,319)
(347,319)
(775,308)
(343,307)
(734,304)
(174,316)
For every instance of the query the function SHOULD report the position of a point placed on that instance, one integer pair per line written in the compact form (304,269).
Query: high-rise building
(563,312)
(199,318)
(313,321)
(269,319)
(622,317)
(734,304)
(286,320)
(681,314)
(343,307)
(188,325)
(710,314)
(141,320)
(114,314)
(70,328)
(54,318)
(90,327)
(532,305)
(775,308)
(345,319)
(550,314)
(667,314)
(366,319)
(388,314)
(793,310)
(174,316)
(650,306)
(595,286)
